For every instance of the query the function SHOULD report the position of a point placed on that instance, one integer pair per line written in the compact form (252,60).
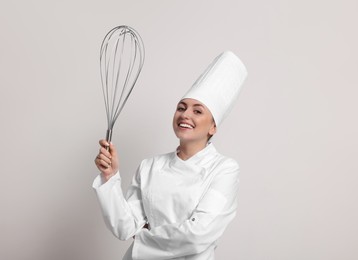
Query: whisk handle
(108,137)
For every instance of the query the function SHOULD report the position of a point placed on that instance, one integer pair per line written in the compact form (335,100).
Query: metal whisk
(121,61)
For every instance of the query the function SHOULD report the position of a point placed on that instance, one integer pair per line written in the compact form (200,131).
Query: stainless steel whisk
(121,61)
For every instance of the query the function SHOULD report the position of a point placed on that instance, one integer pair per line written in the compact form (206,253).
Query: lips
(186,125)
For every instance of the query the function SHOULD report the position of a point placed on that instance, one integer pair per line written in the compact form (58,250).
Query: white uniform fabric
(188,204)
(220,84)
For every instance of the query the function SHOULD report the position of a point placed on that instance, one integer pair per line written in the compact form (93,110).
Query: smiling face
(193,121)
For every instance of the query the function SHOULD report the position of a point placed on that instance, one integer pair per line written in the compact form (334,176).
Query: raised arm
(124,216)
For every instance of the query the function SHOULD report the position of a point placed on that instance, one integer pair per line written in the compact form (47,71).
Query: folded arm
(207,223)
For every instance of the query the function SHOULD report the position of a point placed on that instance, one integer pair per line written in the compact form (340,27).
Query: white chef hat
(219,86)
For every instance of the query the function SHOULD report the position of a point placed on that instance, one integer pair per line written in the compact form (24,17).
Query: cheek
(175,118)
(175,115)
(207,124)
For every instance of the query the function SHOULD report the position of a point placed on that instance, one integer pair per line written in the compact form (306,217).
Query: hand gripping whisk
(121,61)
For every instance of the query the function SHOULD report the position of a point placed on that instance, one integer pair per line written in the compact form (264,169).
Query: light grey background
(293,129)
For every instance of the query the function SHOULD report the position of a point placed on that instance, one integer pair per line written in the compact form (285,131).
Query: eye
(180,108)
(197,112)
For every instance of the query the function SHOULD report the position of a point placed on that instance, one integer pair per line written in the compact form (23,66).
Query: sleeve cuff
(99,182)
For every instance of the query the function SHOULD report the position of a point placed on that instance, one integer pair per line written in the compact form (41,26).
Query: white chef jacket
(187,204)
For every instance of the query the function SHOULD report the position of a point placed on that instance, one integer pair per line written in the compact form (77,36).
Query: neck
(187,150)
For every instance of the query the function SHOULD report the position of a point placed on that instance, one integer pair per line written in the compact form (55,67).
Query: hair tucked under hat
(219,86)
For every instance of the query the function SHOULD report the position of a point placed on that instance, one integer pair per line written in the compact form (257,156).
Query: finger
(104,158)
(103,164)
(112,150)
(104,152)
(103,143)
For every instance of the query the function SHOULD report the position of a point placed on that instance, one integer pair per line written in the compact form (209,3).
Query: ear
(212,129)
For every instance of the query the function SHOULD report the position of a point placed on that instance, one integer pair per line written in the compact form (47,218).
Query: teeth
(186,126)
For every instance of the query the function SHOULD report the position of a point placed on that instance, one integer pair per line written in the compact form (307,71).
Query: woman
(179,203)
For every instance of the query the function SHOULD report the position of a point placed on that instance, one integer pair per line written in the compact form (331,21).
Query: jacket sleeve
(207,223)
(124,216)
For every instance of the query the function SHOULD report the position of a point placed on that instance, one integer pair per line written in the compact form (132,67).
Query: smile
(184,125)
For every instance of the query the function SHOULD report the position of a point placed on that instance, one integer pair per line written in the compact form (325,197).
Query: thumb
(112,150)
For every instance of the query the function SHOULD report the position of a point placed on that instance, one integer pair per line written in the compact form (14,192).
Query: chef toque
(219,86)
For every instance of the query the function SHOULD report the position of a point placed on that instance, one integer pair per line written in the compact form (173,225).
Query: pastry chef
(180,203)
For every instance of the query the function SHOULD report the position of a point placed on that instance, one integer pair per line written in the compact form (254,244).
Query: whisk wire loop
(121,61)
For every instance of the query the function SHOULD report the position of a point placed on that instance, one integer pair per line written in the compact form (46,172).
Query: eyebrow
(198,105)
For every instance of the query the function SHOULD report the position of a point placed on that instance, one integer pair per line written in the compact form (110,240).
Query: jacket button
(193,219)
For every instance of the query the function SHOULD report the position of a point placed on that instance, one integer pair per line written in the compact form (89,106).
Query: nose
(185,114)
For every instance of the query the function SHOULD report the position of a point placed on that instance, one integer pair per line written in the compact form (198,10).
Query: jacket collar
(198,159)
